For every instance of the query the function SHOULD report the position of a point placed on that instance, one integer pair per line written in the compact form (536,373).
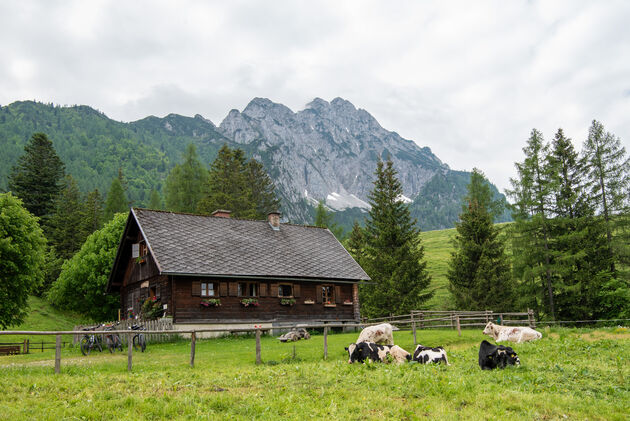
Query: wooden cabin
(258,271)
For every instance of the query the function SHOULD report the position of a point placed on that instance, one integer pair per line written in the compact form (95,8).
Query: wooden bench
(10,349)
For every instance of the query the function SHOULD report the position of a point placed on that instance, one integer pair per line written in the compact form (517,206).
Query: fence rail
(159,325)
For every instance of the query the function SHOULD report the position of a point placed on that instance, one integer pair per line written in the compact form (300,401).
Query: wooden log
(325,342)
(129,350)
(459,328)
(258,357)
(193,338)
(58,354)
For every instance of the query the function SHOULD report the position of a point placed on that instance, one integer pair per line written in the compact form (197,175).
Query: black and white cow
(425,354)
(363,351)
(493,356)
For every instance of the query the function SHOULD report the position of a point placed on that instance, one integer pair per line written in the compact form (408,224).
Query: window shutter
(318,294)
(233,289)
(263,289)
(273,290)
(337,294)
(296,290)
(196,288)
(223,289)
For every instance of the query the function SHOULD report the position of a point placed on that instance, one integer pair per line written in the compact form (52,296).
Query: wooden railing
(159,325)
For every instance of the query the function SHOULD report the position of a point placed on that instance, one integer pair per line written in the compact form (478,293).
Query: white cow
(516,334)
(382,333)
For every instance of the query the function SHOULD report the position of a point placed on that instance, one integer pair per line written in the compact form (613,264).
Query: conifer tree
(37,177)
(479,271)
(155,201)
(326,219)
(263,190)
(116,200)
(93,213)
(66,235)
(394,256)
(356,243)
(185,183)
(608,180)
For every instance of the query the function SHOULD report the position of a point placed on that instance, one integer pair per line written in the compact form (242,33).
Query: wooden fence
(159,325)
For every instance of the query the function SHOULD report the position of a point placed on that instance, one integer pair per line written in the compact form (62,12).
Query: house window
(328,294)
(207,289)
(248,289)
(285,290)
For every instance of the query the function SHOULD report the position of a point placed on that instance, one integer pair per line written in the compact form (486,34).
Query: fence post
(58,354)
(530,318)
(325,342)
(413,327)
(258,359)
(24,347)
(129,350)
(459,328)
(193,337)
(486,313)
(421,320)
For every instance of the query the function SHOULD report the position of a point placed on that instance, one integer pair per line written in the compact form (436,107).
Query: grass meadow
(569,374)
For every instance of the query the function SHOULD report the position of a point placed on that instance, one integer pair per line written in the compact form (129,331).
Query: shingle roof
(206,245)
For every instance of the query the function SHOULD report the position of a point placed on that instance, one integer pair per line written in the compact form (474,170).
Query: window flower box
(309,301)
(347,303)
(329,304)
(287,302)
(249,302)
(211,302)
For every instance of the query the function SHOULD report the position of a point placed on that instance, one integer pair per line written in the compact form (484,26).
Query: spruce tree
(37,177)
(326,219)
(155,201)
(479,271)
(608,180)
(263,190)
(66,235)
(116,200)
(93,213)
(356,243)
(394,256)
(185,183)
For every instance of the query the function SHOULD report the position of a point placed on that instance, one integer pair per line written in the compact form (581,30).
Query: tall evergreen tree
(326,219)
(533,196)
(479,271)
(116,200)
(66,235)
(93,213)
(263,190)
(155,201)
(608,178)
(37,177)
(356,243)
(394,256)
(185,183)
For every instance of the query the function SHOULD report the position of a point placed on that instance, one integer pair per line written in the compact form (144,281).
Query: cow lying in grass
(493,356)
(516,334)
(362,351)
(382,333)
(425,354)
(295,335)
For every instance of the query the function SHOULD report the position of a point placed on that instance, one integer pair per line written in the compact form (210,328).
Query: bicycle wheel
(98,343)
(109,341)
(143,342)
(136,342)
(117,343)
(84,345)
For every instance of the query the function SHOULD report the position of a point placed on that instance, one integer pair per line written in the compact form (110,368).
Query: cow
(425,354)
(493,356)
(382,333)
(295,335)
(362,351)
(516,334)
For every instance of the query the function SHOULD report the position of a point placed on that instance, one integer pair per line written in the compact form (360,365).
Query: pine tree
(116,200)
(326,219)
(155,202)
(394,256)
(263,190)
(93,213)
(479,271)
(608,180)
(37,177)
(65,222)
(356,243)
(185,183)
(533,196)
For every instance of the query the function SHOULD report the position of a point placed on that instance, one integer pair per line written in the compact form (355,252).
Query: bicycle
(139,341)
(90,342)
(113,340)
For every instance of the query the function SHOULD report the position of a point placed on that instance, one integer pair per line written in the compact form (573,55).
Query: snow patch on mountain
(340,201)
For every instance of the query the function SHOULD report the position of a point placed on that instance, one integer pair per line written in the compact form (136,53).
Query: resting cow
(295,335)
(362,351)
(425,354)
(493,356)
(382,333)
(516,334)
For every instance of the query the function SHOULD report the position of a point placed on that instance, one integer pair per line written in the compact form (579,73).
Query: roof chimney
(274,220)
(220,213)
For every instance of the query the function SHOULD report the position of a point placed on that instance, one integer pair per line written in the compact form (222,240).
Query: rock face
(328,151)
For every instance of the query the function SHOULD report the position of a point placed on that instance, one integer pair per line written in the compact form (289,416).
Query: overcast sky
(469,79)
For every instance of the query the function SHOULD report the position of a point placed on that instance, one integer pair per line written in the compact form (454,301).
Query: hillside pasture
(569,374)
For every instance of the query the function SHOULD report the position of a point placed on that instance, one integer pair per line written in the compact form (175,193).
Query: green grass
(569,374)
(437,252)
